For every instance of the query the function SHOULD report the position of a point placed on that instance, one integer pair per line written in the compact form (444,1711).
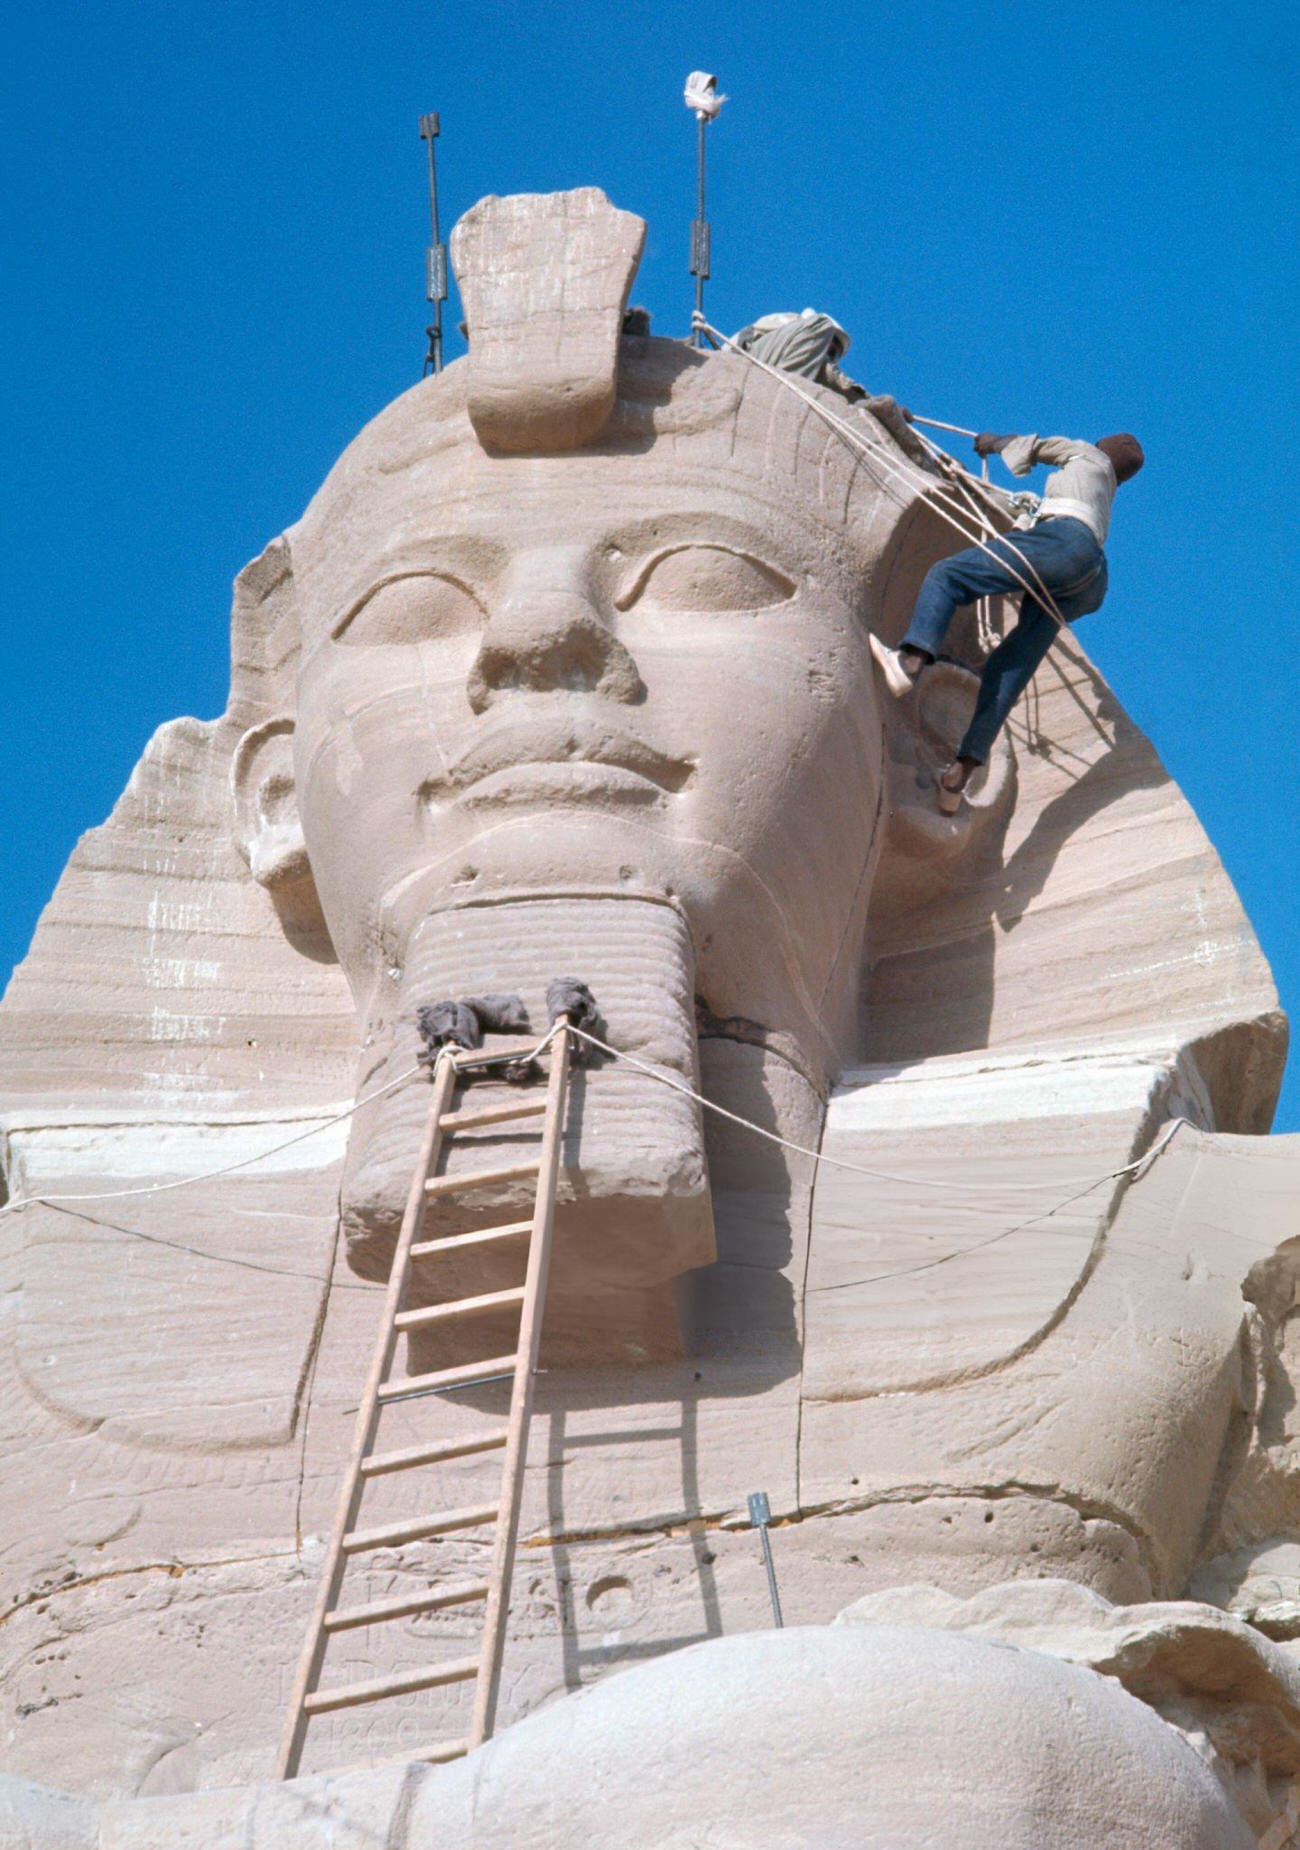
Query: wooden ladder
(346,1539)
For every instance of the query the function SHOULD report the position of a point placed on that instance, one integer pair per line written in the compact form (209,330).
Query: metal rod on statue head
(760,1515)
(435,286)
(700,229)
(701,95)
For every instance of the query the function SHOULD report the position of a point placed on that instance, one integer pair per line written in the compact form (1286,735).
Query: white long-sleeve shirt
(1082,483)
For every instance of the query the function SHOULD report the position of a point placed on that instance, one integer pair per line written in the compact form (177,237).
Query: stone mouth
(562,757)
(572,781)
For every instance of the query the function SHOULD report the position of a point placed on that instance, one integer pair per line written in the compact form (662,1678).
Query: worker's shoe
(952,785)
(898,677)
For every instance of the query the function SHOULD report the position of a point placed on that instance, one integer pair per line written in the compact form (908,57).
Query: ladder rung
(490,1056)
(415,1528)
(492,1114)
(379,1610)
(460,1376)
(481,1178)
(434,1751)
(438,1751)
(380,1462)
(426,1249)
(458,1307)
(402,1683)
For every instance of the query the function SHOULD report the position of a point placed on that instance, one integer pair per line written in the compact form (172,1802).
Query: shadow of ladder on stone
(346,1539)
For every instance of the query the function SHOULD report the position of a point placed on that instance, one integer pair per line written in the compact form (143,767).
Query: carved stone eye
(709,578)
(417,607)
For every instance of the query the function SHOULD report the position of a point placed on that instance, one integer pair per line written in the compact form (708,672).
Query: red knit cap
(1125,452)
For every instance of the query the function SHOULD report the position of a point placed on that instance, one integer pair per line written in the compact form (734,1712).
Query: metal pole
(958,430)
(699,232)
(760,1515)
(701,96)
(435,288)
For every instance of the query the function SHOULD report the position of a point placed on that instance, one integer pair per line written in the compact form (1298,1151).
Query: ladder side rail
(487,1686)
(298,1717)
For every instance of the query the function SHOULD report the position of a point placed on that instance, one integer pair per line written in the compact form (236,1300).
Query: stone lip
(546,740)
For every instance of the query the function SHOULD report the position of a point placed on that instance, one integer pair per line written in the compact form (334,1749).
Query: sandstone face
(530,693)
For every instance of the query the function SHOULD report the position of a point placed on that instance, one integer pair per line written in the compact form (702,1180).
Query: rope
(958,1252)
(958,430)
(978,496)
(1083,1185)
(906,472)
(473,1057)
(990,634)
(210,1175)
(987,637)
(967,487)
(877,1175)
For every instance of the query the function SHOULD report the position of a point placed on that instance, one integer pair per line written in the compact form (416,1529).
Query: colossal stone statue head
(575,677)
(565,671)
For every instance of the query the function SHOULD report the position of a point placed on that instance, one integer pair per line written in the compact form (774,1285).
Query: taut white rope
(209,1175)
(471,1058)
(877,1175)
(958,430)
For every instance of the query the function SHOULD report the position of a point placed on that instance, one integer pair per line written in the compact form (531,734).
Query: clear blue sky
(1071,217)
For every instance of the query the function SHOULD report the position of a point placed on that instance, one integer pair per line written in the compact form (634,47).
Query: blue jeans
(1065,555)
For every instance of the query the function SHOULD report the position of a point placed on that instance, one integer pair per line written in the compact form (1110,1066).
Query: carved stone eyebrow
(632,589)
(442,573)
(468,560)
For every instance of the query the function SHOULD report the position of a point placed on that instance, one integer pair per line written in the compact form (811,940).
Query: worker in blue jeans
(1060,555)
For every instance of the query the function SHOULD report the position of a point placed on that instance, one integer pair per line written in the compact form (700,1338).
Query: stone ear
(922,732)
(268,830)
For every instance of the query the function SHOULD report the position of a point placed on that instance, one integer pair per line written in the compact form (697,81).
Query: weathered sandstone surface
(552,683)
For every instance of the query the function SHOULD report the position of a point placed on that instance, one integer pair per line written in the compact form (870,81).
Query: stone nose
(547,638)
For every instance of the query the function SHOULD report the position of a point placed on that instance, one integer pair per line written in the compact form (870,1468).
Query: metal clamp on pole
(435,286)
(760,1515)
(701,95)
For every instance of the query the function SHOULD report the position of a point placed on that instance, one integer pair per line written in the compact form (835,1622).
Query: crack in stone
(175,1569)
(674,1527)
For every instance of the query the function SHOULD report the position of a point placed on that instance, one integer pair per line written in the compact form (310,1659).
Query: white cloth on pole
(701,94)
